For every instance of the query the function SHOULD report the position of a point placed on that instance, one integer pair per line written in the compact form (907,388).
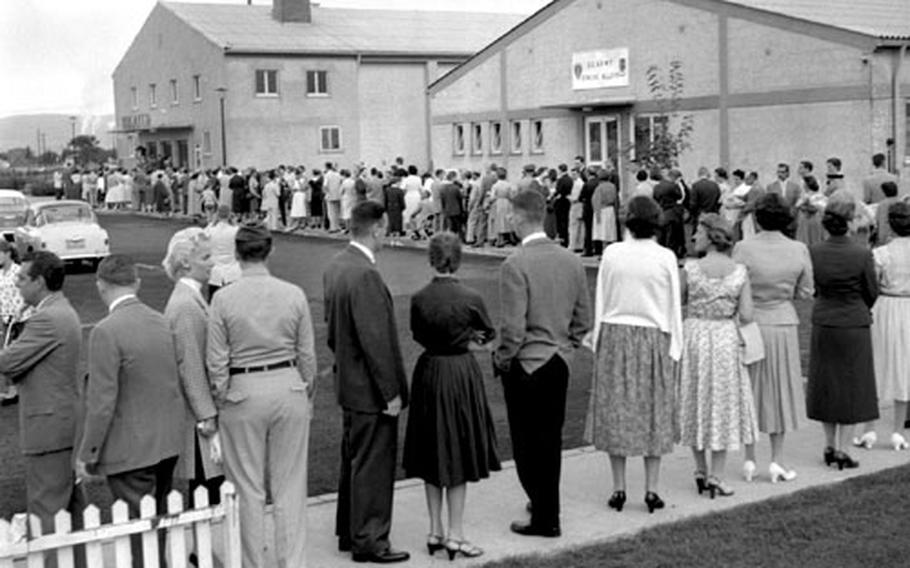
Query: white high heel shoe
(898,442)
(748,470)
(780,474)
(867,440)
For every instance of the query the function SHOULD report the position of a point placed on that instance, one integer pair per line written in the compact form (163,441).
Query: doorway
(602,141)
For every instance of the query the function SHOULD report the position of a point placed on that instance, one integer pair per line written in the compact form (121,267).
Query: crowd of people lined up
(706,355)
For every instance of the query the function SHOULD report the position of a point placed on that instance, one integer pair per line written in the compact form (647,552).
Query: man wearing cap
(371,387)
(134,410)
(528,181)
(262,366)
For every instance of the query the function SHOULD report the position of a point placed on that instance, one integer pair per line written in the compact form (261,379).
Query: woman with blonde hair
(716,407)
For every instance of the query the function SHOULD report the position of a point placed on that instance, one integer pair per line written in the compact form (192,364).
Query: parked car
(13,209)
(67,228)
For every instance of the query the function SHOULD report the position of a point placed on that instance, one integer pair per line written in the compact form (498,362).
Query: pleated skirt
(777,381)
(450,438)
(841,376)
(632,409)
(891,347)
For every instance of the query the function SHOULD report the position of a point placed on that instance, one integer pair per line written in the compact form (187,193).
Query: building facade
(210,84)
(764,81)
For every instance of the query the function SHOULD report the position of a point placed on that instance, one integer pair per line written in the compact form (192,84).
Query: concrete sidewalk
(495,502)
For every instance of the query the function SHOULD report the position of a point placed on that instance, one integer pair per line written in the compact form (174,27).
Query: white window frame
(197,88)
(153,95)
(270,87)
(477,138)
(459,148)
(322,131)
(207,143)
(324,84)
(634,131)
(537,139)
(516,136)
(496,136)
(175,92)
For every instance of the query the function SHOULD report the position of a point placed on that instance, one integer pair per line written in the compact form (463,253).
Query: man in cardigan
(546,311)
(371,387)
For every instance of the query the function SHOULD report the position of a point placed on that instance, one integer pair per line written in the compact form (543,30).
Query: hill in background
(21,130)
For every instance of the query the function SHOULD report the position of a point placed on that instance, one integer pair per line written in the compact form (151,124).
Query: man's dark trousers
(536,407)
(369,448)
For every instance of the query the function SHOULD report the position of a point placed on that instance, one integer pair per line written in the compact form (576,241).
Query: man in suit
(262,365)
(452,204)
(587,218)
(537,339)
(562,205)
(134,412)
(704,198)
(872,185)
(669,195)
(785,187)
(43,362)
(371,388)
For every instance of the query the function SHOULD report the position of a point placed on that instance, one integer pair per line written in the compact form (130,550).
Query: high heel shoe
(653,501)
(435,543)
(617,500)
(829,456)
(748,470)
(898,442)
(867,440)
(844,461)
(701,482)
(463,547)
(716,486)
(778,473)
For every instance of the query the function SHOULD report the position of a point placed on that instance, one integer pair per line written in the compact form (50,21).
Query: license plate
(75,244)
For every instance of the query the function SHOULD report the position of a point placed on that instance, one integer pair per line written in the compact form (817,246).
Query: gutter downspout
(899,148)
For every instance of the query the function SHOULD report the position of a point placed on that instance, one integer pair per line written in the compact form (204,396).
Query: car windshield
(65,214)
(12,205)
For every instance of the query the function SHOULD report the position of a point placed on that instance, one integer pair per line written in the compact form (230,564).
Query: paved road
(301,261)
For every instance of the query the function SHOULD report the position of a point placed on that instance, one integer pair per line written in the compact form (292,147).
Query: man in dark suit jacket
(704,198)
(135,413)
(452,204)
(546,311)
(668,194)
(371,387)
(562,205)
(43,363)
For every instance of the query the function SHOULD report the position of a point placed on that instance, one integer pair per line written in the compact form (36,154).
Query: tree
(671,130)
(87,150)
(48,158)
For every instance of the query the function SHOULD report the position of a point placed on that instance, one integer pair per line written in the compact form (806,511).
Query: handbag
(753,348)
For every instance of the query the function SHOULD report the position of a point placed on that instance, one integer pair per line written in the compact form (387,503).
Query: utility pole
(224,161)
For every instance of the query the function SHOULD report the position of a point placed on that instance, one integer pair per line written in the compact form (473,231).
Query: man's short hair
(721,173)
(807,165)
(563,168)
(641,175)
(783,166)
(47,265)
(878,160)
(835,162)
(365,216)
(889,188)
(118,270)
(253,243)
(530,205)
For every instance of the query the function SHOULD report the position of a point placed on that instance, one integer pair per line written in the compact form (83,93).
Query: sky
(58,55)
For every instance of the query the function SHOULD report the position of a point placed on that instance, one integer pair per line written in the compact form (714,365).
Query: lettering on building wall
(600,69)
(135,122)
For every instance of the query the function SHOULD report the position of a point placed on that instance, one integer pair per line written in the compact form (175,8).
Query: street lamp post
(224,161)
(73,136)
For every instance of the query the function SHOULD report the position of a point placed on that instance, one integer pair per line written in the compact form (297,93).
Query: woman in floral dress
(717,411)
(11,305)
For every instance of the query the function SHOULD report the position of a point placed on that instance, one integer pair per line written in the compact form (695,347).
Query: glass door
(602,143)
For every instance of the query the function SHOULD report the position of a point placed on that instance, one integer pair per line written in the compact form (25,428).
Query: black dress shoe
(385,557)
(528,529)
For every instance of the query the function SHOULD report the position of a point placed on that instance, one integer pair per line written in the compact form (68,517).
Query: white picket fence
(176,522)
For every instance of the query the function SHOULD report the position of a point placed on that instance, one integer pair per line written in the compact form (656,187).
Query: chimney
(291,11)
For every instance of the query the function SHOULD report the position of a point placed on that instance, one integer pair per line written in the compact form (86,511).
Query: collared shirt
(365,251)
(119,301)
(277,327)
(533,237)
(194,284)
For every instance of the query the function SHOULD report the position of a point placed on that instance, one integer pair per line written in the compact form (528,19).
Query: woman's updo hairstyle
(718,231)
(445,252)
(643,217)
(837,217)
(899,218)
(772,213)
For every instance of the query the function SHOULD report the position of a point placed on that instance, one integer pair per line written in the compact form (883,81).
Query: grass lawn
(859,522)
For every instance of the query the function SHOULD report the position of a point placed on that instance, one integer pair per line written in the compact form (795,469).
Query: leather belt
(262,368)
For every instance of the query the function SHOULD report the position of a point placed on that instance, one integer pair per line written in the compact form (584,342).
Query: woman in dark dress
(450,439)
(841,390)
(316,200)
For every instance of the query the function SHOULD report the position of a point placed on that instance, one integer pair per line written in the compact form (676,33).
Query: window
(207,143)
(496,137)
(329,139)
(477,138)
(537,137)
(515,139)
(266,83)
(153,96)
(907,135)
(458,145)
(317,83)
(175,98)
(152,150)
(134,97)
(646,129)
(197,88)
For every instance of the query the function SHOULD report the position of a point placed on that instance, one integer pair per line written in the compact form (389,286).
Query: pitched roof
(886,19)
(242,28)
